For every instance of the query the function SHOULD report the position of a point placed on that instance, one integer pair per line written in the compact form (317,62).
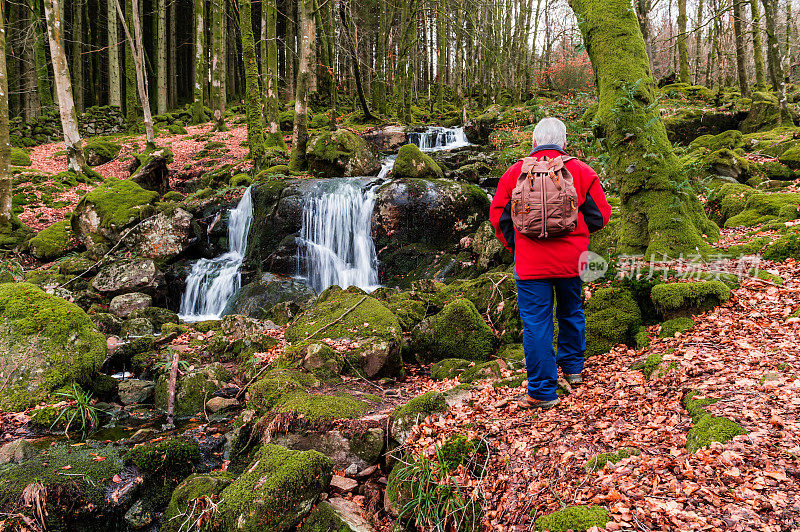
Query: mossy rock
(99,151)
(676,325)
(727,163)
(341,154)
(712,429)
(45,343)
(20,157)
(410,414)
(413,163)
(321,410)
(765,113)
(72,496)
(730,140)
(513,355)
(241,180)
(762,208)
(182,505)
(449,368)
(653,364)
(52,242)
(174,458)
(791,157)
(104,213)
(728,200)
(684,299)
(599,461)
(577,518)
(787,246)
(486,370)
(612,317)
(268,391)
(193,390)
(458,331)
(276,491)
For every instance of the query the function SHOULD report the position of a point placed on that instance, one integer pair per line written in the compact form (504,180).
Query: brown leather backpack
(544,204)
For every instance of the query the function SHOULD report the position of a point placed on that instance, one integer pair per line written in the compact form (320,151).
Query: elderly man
(549,262)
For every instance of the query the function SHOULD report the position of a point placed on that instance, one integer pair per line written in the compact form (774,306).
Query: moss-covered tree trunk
(173,54)
(131,105)
(698,41)
(66,106)
(5,142)
(683,51)
(741,60)
(77,53)
(218,95)
(779,77)
(269,72)
(660,212)
(758,49)
(198,111)
(303,84)
(114,87)
(255,123)
(161,57)
(42,75)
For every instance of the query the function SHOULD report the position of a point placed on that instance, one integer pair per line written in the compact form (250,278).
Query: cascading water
(212,282)
(336,246)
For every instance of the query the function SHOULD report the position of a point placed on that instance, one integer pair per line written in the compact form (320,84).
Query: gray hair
(550,131)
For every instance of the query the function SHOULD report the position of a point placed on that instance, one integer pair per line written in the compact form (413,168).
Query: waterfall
(439,138)
(336,245)
(212,282)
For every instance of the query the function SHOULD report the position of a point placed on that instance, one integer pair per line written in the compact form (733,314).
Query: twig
(337,320)
(257,375)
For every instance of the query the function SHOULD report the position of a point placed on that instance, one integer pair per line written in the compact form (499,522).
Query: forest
(248,279)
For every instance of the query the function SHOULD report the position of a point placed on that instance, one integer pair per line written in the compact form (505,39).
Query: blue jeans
(535,299)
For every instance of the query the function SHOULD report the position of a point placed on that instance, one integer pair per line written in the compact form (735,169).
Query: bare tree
(5,142)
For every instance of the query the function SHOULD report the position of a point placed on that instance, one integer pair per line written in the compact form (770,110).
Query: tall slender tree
(131,105)
(162,96)
(779,78)
(42,74)
(77,53)
(66,105)
(307,43)
(5,141)
(198,105)
(218,34)
(683,51)
(741,59)
(758,50)
(269,71)
(114,87)
(698,48)
(253,100)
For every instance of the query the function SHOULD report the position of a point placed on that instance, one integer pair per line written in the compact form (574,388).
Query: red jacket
(551,257)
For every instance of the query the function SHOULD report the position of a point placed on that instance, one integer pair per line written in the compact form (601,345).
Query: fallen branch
(246,386)
(337,320)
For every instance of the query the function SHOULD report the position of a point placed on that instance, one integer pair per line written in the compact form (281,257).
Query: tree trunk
(758,50)
(198,110)
(218,63)
(253,101)
(741,60)
(683,52)
(353,47)
(173,55)
(66,106)
(114,87)
(131,107)
(33,106)
(404,73)
(77,53)
(774,51)
(6,180)
(137,52)
(643,8)
(698,48)
(269,71)
(162,95)
(440,55)
(660,213)
(307,36)
(42,74)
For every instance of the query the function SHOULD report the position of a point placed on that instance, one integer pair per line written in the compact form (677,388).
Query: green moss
(421,406)
(118,202)
(730,140)
(241,180)
(727,201)
(170,458)
(513,355)
(514,381)
(486,370)
(101,150)
(642,338)
(51,242)
(193,390)
(787,246)
(458,331)
(766,276)
(266,392)
(612,317)
(675,325)
(696,407)
(20,157)
(183,498)
(322,408)
(649,365)
(449,368)
(324,518)
(710,429)
(681,299)
(791,157)
(413,163)
(45,343)
(577,518)
(208,326)
(456,451)
(599,462)
(761,208)
(276,490)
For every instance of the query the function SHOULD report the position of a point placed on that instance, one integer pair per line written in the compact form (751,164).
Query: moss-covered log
(660,212)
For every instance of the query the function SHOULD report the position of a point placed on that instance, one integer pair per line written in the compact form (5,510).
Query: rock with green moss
(673,300)
(373,330)
(654,364)
(728,200)
(406,417)
(485,370)
(125,276)
(316,357)
(488,248)
(150,169)
(174,458)
(45,343)
(241,180)
(599,461)
(676,325)
(193,389)
(341,154)
(336,515)
(458,331)
(258,298)
(449,368)
(16,451)
(158,317)
(360,448)
(52,242)
(787,246)
(791,157)
(85,495)
(163,236)
(183,507)
(99,151)
(19,157)
(707,428)
(612,317)
(765,113)
(277,490)
(103,214)
(576,518)
(729,140)
(412,163)
(728,163)
(762,208)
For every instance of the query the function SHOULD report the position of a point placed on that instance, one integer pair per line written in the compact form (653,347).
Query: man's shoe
(574,379)
(529,403)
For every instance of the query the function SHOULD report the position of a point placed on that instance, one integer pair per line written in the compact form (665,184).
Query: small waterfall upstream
(212,282)
(439,138)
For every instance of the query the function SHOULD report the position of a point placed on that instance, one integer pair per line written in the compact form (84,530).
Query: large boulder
(45,343)
(256,299)
(276,491)
(346,449)
(52,242)
(278,208)
(341,154)
(458,331)
(488,248)
(184,500)
(124,305)
(413,163)
(688,124)
(125,276)
(163,236)
(612,317)
(373,331)
(386,138)
(149,169)
(337,514)
(765,113)
(103,214)
(479,128)
(99,151)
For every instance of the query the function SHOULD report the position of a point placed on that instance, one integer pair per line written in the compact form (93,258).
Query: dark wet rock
(386,138)
(341,154)
(136,391)
(257,298)
(150,170)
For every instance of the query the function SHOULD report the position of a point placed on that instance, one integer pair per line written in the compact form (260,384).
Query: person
(543,266)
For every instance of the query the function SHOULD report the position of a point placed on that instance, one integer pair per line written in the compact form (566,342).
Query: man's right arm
(500,210)
(595,208)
